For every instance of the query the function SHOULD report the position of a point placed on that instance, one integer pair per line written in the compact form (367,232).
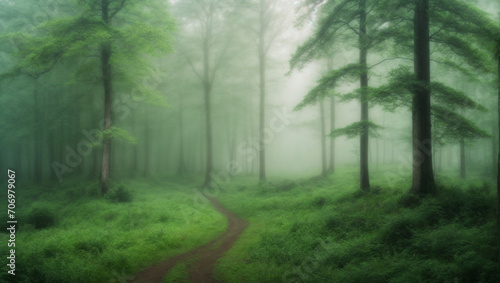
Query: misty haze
(250,141)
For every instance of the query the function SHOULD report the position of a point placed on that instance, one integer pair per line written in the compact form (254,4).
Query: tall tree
(345,20)
(266,21)
(331,166)
(423,174)
(445,27)
(206,23)
(114,31)
(322,118)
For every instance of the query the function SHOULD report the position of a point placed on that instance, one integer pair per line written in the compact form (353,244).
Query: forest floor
(201,260)
(295,229)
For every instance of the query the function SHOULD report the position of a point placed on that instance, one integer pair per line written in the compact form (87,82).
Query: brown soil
(204,257)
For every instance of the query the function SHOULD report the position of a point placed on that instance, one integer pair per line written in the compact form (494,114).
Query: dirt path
(201,270)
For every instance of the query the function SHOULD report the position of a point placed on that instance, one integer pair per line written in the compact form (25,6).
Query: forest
(250,140)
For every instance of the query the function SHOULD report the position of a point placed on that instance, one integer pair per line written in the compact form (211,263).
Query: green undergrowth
(327,230)
(68,233)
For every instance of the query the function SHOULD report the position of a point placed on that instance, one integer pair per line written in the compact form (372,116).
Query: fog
(102,98)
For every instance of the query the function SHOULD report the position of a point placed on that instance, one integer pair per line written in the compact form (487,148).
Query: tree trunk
(494,146)
(75,134)
(38,141)
(423,175)
(181,167)
(208,138)
(462,159)
(262,97)
(331,167)
(147,145)
(135,148)
(498,161)
(323,138)
(363,53)
(207,88)
(107,83)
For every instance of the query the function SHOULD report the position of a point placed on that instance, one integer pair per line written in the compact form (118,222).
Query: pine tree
(342,22)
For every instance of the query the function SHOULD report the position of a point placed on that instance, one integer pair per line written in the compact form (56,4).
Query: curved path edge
(206,256)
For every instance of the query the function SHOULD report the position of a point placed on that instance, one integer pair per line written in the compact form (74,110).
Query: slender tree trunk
(207,89)
(392,152)
(107,83)
(384,143)
(498,161)
(147,145)
(135,148)
(494,146)
(75,137)
(208,137)
(181,167)
(323,138)
(38,140)
(331,167)
(462,160)
(423,175)
(363,53)
(262,97)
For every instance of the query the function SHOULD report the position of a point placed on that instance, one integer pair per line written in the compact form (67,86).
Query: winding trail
(205,257)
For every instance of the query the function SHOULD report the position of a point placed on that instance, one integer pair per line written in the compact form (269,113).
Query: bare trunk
(423,175)
(207,88)
(147,145)
(106,75)
(38,141)
(323,138)
(181,168)
(262,96)
(135,149)
(462,159)
(331,167)
(498,162)
(494,147)
(363,53)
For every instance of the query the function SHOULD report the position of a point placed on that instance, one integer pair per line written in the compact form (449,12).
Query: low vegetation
(67,233)
(327,230)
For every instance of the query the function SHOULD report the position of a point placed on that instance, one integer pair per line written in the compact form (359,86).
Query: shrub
(398,232)
(285,186)
(266,188)
(119,194)
(93,191)
(41,217)
(452,201)
(478,208)
(409,200)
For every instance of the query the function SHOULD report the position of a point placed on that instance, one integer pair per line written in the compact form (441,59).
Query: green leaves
(453,98)
(327,83)
(72,37)
(117,133)
(398,92)
(455,126)
(356,129)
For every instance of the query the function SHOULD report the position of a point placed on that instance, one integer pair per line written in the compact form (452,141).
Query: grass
(327,230)
(68,234)
(301,230)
